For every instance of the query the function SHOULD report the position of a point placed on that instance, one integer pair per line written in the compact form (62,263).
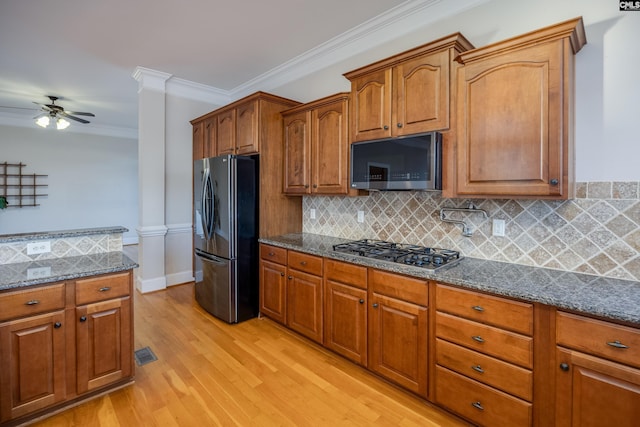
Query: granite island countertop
(19,275)
(605,297)
(43,235)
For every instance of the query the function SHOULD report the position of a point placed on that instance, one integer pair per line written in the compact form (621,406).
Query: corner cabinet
(406,94)
(597,372)
(515,116)
(316,146)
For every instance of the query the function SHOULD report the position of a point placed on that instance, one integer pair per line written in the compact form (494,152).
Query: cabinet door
(297,153)
(32,353)
(345,317)
(104,351)
(273,291)
(330,148)
(198,140)
(371,97)
(421,94)
(247,138)
(304,304)
(398,342)
(226,132)
(595,392)
(512,124)
(210,146)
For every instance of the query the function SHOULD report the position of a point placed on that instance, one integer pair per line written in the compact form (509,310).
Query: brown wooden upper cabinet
(515,116)
(237,130)
(405,94)
(204,138)
(316,147)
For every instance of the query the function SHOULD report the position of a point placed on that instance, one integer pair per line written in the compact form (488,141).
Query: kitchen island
(496,343)
(66,323)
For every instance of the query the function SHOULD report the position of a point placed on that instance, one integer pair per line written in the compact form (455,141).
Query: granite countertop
(18,275)
(43,235)
(600,296)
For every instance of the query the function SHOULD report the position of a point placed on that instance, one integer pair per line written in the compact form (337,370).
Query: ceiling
(85,51)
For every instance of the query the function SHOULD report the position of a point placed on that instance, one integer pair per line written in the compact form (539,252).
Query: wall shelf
(20,189)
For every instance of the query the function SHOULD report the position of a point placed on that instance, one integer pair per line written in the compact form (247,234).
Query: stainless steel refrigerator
(226,236)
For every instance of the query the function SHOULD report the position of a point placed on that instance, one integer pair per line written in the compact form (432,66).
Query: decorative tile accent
(598,232)
(62,247)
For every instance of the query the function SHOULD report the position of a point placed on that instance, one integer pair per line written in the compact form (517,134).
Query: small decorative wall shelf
(19,188)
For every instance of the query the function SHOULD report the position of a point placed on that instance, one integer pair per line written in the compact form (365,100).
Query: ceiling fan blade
(19,108)
(77,119)
(78,113)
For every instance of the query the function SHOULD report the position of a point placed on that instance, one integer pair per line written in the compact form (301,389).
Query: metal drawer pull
(478,338)
(617,344)
(477,405)
(303,262)
(271,254)
(104,289)
(478,308)
(32,302)
(478,368)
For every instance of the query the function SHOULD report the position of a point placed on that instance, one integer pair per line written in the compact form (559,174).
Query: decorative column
(151,179)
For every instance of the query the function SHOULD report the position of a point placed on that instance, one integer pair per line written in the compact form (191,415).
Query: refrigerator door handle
(203,205)
(207,205)
(212,258)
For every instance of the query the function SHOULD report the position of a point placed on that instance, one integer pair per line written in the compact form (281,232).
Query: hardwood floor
(255,373)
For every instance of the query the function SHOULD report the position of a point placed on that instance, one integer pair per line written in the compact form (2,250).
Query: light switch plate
(360,216)
(498,227)
(38,273)
(312,213)
(35,248)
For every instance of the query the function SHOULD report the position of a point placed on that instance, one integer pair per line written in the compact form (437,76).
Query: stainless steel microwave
(405,163)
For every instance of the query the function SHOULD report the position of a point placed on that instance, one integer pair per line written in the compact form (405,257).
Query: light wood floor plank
(256,373)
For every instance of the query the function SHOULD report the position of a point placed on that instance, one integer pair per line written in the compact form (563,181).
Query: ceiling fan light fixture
(62,124)
(43,121)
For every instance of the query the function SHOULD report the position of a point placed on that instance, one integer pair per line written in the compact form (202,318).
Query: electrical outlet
(312,213)
(36,248)
(360,216)
(38,272)
(498,227)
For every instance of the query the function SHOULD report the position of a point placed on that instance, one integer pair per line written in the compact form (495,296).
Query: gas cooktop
(419,256)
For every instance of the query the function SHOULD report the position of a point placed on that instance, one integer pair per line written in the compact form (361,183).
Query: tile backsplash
(598,232)
(15,252)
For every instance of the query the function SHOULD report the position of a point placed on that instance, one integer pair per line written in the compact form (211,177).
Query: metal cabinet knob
(375,305)
(282,274)
(399,125)
(386,127)
(553,182)
(290,277)
(57,325)
(361,301)
(315,185)
(564,367)
(83,318)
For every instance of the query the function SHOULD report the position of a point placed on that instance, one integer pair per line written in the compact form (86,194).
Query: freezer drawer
(215,288)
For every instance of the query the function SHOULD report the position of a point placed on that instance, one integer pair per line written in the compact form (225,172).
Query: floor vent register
(144,356)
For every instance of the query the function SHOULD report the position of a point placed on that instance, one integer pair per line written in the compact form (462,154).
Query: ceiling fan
(57,113)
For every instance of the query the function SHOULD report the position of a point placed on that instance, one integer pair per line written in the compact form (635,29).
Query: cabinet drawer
(505,345)
(102,288)
(343,272)
(604,339)
(504,313)
(273,254)
(32,300)
(486,369)
(401,287)
(304,262)
(479,403)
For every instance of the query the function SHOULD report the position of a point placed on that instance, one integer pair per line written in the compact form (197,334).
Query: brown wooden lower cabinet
(50,359)
(398,342)
(484,362)
(597,372)
(33,360)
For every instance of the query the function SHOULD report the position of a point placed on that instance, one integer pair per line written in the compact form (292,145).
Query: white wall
(92,180)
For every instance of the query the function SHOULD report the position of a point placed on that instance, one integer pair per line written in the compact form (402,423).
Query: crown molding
(150,79)
(197,91)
